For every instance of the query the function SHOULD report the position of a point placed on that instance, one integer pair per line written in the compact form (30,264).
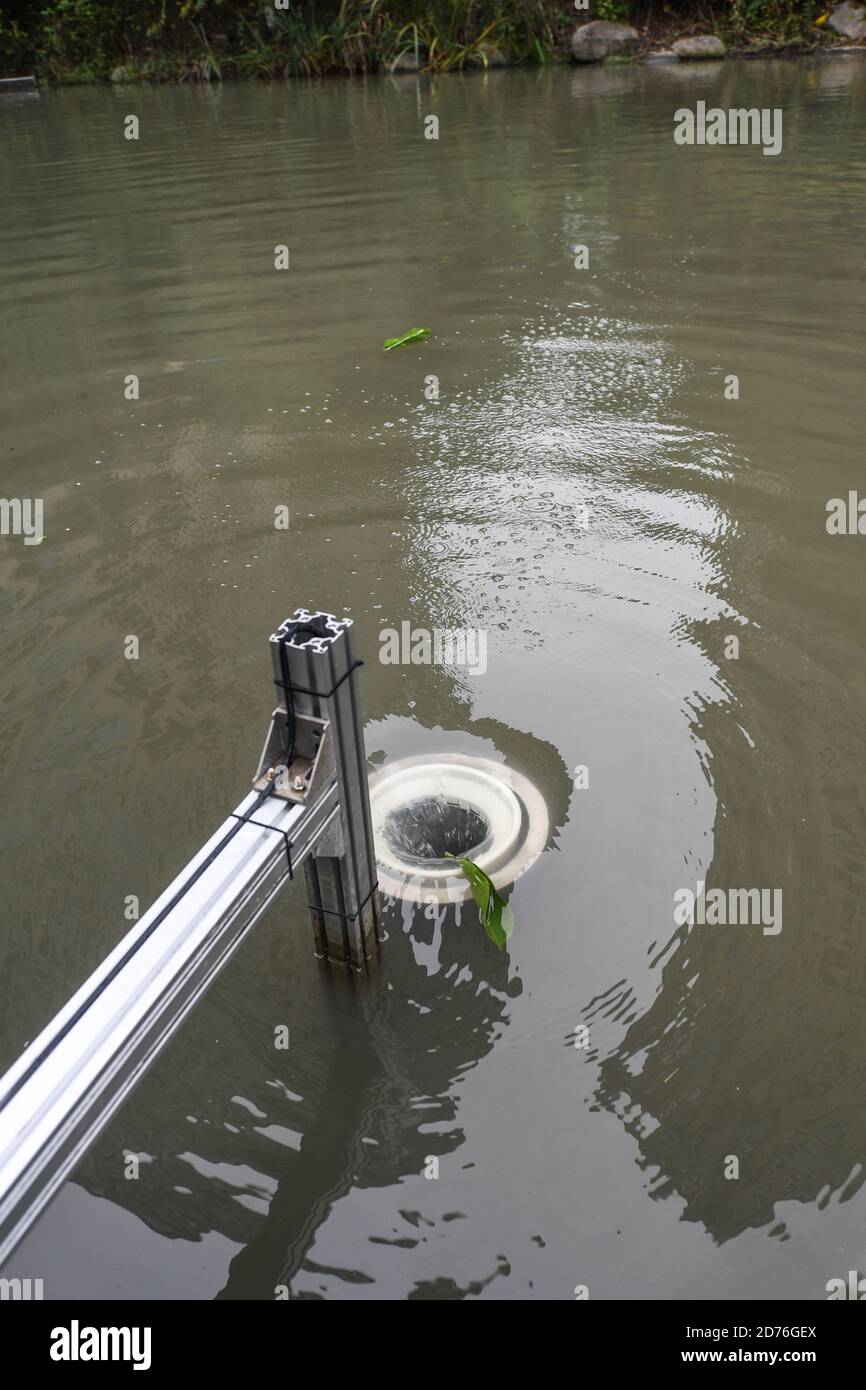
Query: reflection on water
(583,491)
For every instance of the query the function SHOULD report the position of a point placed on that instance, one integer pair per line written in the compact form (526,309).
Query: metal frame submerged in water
(309,806)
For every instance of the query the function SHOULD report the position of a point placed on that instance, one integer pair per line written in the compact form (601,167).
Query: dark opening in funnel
(431,827)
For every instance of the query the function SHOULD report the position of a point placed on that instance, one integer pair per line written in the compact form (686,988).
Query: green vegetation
(785,22)
(208,40)
(619,11)
(87,40)
(496,916)
(414,335)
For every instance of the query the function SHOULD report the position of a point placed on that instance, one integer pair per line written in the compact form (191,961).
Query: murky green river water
(583,491)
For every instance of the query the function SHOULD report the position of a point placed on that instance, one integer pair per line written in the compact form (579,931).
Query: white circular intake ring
(427,807)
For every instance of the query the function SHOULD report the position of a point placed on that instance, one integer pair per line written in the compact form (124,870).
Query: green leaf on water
(414,335)
(497,918)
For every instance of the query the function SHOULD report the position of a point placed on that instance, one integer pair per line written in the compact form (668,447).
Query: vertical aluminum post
(316,674)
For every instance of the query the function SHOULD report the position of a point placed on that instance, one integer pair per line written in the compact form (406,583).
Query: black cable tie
(346,916)
(263,825)
(318,694)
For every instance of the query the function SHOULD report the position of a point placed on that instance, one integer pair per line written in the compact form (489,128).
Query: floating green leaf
(414,335)
(497,918)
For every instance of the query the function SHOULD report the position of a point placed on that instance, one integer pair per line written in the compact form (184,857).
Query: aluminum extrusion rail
(79,1070)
